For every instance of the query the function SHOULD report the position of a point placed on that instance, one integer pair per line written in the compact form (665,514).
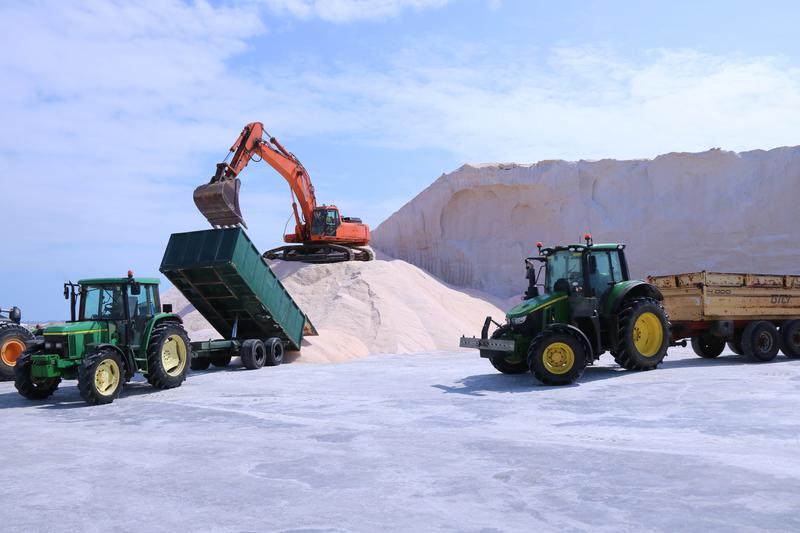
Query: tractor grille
(56,345)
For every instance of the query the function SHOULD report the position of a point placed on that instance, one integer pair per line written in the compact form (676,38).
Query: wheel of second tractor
(30,387)
(101,376)
(168,355)
(643,335)
(790,339)
(499,361)
(275,351)
(221,360)
(707,345)
(253,354)
(735,344)
(14,339)
(760,341)
(557,357)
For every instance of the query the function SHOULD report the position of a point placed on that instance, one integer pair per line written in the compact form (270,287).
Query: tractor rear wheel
(707,345)
(200,363)
(221,360)
(101,376)
(643,335)
(499,361)
(760,341)
(253,354)
(168,355)
(14,340)
(557,357)
(30,387)
(790,339)
(275,352)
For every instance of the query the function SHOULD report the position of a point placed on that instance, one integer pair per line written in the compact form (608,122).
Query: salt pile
(381,306)
(715,210)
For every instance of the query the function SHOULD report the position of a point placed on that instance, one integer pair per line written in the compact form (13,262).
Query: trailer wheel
(169,353)
(30,387)
(253,354)
(275,351)
(557,357)
(790,339)
(499,361)
(221,360)
(643,335)
(707,345)
(200,363)
(760,341)
(101,376)
(735,344)
(14,340)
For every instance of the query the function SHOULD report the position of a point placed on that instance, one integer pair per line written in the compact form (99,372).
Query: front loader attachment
(219,202)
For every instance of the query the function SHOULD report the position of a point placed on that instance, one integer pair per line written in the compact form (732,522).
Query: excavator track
(320,253)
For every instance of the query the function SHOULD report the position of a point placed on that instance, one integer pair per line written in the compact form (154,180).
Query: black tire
(220,360)
(790,339)
(275,352)
(735,344)
(200,363)
(169,353)
(101,376)
(253,354)
(557,357)
(707,345)
(626,353)
(760,341)
(32,388)
(14,340)
(499,361)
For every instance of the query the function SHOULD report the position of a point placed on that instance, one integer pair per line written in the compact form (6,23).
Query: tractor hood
(74,328)
(534,304)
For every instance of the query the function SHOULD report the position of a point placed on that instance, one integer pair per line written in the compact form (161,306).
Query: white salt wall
(679,212)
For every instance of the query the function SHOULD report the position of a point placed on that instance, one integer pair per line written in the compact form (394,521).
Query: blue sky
(112,112)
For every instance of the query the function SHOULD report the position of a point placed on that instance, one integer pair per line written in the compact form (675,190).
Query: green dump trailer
(223,275)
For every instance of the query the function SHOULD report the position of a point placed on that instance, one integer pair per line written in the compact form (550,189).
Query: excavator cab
(218,200)
(325,221)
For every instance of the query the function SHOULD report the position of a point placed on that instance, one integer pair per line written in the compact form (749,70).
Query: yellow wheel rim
(648,334)
(558,358)
(106,377)
(11,351)
(173,355)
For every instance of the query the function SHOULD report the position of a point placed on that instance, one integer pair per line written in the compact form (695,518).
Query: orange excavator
(320,235)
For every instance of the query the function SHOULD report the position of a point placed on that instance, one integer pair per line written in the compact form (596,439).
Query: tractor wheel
(30,387)
(101,376)
(221,360)
(643,335)
(200,363)
(557,357)
(790,339)
(253,354)
(499,361)
(735,344)
(14,340)
(168,355)
(708,345)
(275,351)
(760,341)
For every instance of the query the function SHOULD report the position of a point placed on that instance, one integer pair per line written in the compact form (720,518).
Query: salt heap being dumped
(362,308)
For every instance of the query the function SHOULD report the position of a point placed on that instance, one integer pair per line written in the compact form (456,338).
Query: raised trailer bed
(223,275)
(757,315)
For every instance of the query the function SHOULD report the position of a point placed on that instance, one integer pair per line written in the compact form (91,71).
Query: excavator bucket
(219,202)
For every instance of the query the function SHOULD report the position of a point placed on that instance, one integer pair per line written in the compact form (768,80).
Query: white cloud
(349,10)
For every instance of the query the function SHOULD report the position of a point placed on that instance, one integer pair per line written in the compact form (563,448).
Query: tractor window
(616,267)
(601,279)
(564,265)
(142,303)
(102,302)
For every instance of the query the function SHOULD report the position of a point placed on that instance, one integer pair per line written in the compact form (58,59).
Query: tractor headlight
(48,345)
(519,320)
(58,345)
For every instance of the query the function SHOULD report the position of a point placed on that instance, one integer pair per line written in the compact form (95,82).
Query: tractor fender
(158,319)
(125,355)
(632,289)
(572,329)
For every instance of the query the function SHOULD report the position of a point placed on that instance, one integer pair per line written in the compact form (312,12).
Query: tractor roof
(116,281)
(583,247)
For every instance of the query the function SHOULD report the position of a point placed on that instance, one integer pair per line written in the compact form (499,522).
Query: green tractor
(118,329)
(588,305)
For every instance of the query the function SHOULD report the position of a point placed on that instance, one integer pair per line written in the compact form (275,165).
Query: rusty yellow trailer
(756,314)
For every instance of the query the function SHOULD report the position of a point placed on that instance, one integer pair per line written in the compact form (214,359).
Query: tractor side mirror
(166,308)
(66,292)
(592,264)
(136,288)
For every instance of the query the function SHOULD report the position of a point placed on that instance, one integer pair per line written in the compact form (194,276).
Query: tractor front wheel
(30,387)
(14,340)
(101,376)
(557,357)
(168,355)
(707,345)
(760,341)
(499,361)
(643,335)
(790,339)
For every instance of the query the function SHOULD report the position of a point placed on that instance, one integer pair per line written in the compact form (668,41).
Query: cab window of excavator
(331,222)
(318,222)
(566,265)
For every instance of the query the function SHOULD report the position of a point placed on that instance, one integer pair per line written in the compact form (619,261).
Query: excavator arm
(219,199)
